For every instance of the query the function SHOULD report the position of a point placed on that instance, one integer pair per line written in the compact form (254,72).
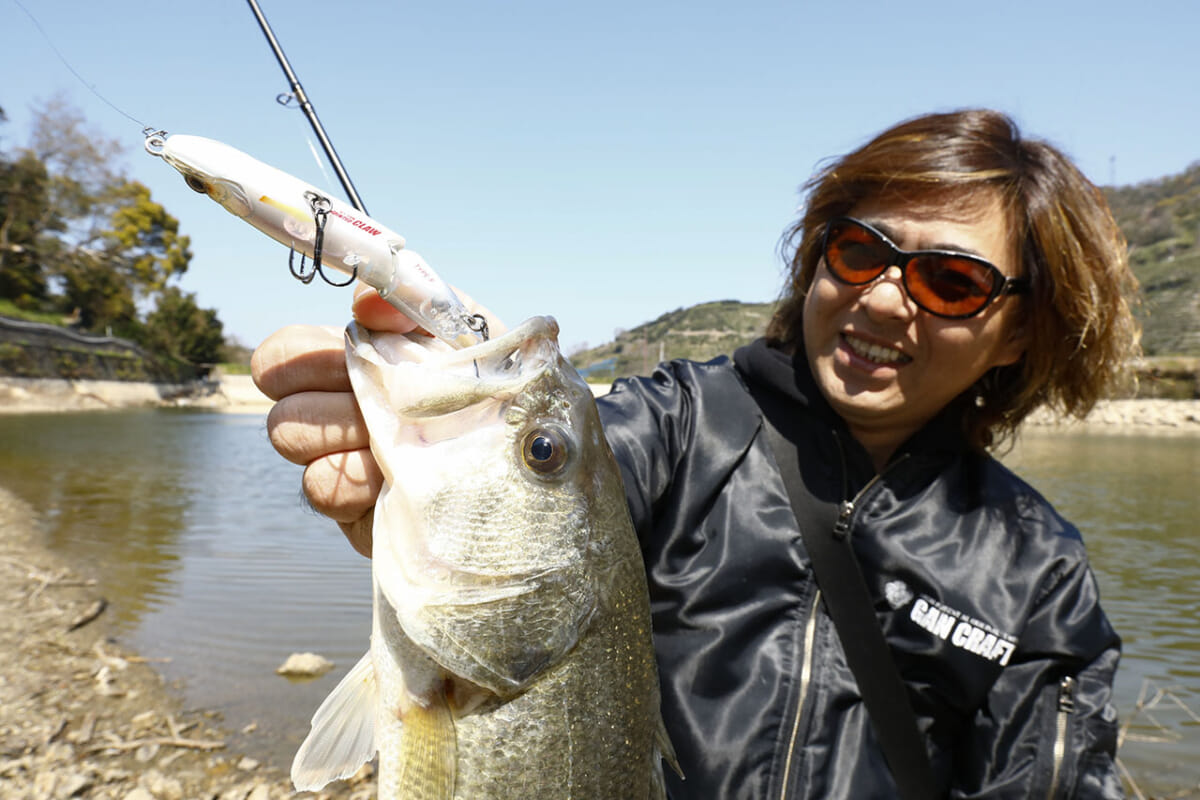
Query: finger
(301,358)
(359,533)
(307,425)
(343,486)
(374,313)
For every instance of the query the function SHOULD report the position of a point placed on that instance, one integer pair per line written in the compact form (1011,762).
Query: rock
(138,793)
(248,764)
(304,665)
(260,792)
(73,785)
(146,752)
(161,786)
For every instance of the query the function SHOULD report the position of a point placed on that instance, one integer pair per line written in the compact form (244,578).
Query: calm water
(198,535)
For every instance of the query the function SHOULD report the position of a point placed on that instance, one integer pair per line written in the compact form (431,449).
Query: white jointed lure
(322,228)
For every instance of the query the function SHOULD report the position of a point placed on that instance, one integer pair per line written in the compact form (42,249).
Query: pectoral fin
(428,751)
(342,737)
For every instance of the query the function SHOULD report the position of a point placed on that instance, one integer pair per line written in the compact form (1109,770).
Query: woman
(947,278)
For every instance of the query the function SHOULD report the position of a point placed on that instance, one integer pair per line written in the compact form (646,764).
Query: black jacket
(983,592)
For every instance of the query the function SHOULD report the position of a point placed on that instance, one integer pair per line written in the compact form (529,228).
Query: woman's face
(888,367)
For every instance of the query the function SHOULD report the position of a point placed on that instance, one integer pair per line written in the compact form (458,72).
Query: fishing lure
(323,229)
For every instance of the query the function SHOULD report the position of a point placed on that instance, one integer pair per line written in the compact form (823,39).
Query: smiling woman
(1049,223)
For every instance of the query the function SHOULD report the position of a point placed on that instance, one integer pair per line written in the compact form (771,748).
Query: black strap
(850,606)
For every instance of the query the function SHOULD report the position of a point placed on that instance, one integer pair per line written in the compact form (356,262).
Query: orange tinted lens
(855,254)
(947,285)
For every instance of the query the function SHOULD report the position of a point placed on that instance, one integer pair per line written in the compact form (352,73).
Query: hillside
(1160,219)
(699,333)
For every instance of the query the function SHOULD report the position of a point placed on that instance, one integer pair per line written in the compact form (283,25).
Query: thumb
(376,314)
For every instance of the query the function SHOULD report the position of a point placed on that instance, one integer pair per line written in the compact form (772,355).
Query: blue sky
(599,162)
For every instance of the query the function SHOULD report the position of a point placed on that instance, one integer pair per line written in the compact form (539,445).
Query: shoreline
(81,715)
(238,394)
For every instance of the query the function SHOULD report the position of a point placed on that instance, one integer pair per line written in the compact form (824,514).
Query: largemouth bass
(511,654)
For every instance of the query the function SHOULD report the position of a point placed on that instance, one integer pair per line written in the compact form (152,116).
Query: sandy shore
(82,716)
(1127,416)
(235,393)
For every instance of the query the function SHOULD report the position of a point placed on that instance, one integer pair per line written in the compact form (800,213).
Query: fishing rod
(307,107)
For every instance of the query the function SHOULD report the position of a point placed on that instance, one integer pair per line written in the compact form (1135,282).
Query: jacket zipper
(840,530)
(810,635)
(1066,705)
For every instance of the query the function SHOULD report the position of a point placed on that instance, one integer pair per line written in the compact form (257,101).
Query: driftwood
(174,738)
(90,614)
(118,744)
(1150,698)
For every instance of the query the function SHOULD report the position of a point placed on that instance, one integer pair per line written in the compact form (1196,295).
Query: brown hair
(1081,333)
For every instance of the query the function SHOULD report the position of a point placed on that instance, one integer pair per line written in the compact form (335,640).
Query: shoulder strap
(840,579)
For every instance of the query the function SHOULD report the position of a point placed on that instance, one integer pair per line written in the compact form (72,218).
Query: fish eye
(545,451)
(195,184)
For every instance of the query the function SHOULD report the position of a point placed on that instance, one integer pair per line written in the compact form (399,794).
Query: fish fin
(342,737)
(429,750)
(662,743)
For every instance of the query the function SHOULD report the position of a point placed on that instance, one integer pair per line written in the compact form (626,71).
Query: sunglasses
(942,282)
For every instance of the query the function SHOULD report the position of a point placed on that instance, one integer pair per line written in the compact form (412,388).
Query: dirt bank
(1127,416)
(82,716)
(237,393)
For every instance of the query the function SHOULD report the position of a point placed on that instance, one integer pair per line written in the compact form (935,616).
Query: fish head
(509,413)
(500,495)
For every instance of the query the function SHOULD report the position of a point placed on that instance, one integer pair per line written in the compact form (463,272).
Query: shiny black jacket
(983,592)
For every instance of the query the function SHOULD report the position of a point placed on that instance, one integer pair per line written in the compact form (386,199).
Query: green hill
(1161,221)
(699,333)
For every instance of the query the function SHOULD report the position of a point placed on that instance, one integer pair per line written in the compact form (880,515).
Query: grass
(10,309)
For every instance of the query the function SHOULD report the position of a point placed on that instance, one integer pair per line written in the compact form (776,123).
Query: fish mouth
(434,379)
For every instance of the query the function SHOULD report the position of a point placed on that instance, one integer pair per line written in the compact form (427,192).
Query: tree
(76,234)
(83,166)
(24,185)
(180,328)
(105,302)
(144,238)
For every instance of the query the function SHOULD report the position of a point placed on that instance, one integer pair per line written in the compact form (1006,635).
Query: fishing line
(310,113)
(306,133)
(73,71)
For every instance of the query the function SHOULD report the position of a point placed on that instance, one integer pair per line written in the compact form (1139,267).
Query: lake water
(197,533)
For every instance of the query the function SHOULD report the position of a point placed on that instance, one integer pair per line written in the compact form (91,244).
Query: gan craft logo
(961,631)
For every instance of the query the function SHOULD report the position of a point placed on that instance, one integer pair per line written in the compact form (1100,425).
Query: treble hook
(478,323)
(320,207)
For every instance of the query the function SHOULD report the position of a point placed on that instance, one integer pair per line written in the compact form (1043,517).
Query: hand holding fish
(316,421)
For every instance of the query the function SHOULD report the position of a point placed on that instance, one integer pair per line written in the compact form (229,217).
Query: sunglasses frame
(904,258)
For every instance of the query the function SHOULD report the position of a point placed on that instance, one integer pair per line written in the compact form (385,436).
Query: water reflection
(113,490)
(195,529)
(1136,501)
